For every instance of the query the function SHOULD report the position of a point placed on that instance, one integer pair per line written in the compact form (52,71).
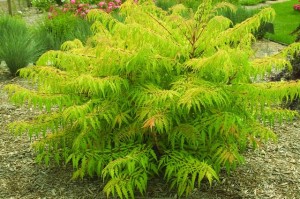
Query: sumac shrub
(156,94)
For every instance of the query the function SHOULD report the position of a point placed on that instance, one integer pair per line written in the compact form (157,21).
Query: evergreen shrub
(158,94)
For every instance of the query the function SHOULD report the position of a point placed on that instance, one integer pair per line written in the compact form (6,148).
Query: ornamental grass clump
(18,47)
(158,94)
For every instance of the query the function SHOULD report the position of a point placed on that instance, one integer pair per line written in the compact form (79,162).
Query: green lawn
(286,20)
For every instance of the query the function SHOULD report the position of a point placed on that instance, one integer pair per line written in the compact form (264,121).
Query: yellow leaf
(149,123)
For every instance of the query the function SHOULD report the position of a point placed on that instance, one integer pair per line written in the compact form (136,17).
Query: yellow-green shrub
(156,94)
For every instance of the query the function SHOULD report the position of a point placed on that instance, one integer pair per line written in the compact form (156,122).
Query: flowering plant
(297,6)
(110,6)
(79,9)
(82,9)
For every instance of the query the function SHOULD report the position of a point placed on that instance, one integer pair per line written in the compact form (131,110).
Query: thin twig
(160,24)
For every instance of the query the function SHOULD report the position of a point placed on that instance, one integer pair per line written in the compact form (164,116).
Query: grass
(286,21)
(18,46)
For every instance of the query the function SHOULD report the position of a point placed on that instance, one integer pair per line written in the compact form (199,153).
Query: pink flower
(297,7)
(72,1)
(101,4)
(111,4)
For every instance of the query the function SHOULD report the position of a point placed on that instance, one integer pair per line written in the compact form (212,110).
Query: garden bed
(270,172)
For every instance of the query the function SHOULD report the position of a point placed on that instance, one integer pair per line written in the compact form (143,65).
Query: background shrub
(296,60)
(60,28)
(288,75)
(43,5)
(166,4)
(239,15)
(242,13)
(293,74)
(18,47)
(297,33)
(251,2)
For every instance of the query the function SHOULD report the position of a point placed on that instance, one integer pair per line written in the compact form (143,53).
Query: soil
(273,171)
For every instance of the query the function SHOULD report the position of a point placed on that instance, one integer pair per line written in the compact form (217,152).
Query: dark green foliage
(166,4)
(63,27)
(242,13)
(43,5)
(18,47)
(289,75)
(251,2)
(239,15)
(158,93)
(293,74)
(193,4)
(297,33)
